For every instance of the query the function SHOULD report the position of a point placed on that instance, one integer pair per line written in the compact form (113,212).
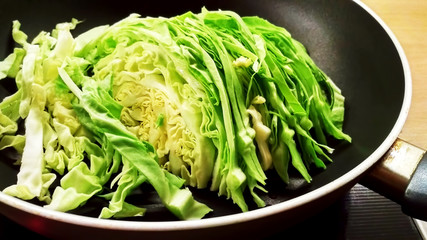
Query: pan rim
(144,226)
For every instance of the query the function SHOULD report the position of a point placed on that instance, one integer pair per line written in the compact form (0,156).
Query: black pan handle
(415,198)
(401,175)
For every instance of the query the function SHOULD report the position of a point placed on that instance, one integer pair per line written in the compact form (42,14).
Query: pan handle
(401,175)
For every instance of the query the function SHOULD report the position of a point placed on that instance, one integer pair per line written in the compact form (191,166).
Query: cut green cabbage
(209,100)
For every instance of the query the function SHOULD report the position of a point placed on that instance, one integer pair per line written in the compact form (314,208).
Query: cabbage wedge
(208,100)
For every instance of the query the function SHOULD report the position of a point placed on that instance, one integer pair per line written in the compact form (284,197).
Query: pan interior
(344,40)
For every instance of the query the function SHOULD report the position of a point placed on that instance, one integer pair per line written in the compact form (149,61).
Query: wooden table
(408,21)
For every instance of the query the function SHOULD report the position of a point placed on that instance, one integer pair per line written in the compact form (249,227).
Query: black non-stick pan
(343,37)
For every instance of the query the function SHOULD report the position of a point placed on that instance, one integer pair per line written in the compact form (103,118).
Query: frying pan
(344,38)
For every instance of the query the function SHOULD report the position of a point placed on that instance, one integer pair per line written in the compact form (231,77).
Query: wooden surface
(408,22)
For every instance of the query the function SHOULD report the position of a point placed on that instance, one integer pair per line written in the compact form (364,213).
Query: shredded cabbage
(208,100)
